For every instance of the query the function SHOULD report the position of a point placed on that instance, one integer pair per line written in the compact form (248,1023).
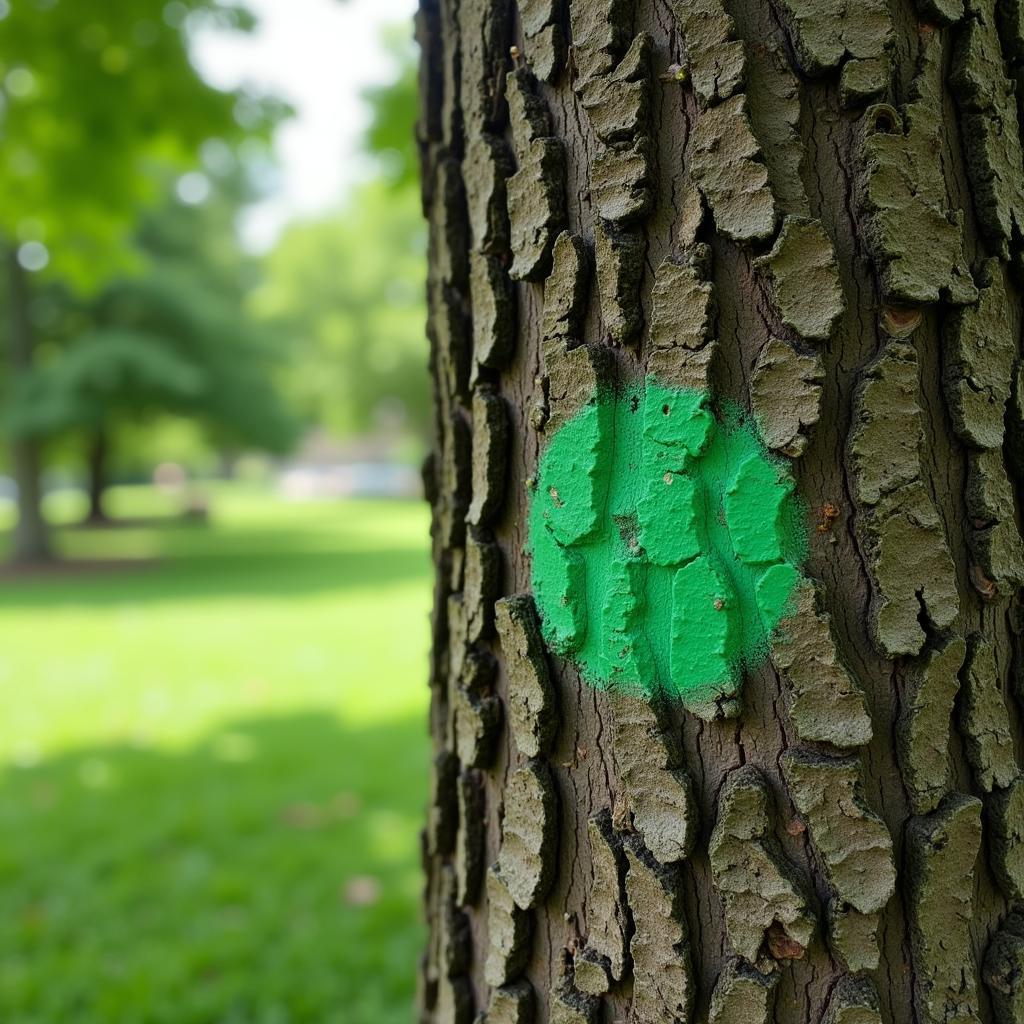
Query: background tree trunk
(31,542)
(813,209)
(98,459)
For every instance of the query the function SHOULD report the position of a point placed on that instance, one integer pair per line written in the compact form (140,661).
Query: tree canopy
(94,96)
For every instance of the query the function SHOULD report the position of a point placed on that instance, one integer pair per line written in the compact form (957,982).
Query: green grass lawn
(214,767)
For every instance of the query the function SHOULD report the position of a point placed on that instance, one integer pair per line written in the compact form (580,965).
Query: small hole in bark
(899,321)
(665,409)
(882,118)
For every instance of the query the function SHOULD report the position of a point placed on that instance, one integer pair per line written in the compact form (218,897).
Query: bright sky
(318,55)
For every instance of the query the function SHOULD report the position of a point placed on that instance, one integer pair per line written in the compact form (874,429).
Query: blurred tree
(346,290)
(171,339)
(345,295)
(97,94)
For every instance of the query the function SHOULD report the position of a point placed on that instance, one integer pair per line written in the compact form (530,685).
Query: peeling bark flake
(536,196)
(532,707)
(658,788)
(742,995)
(915,238)
(785,396)
(853,1001)
(826,703)
(924,725)
(906,544)
(941,850)
(852,841)
(728,168)
(529,845)
(757,886)
(663,983)
(984,718)
(803,279)
(509,931)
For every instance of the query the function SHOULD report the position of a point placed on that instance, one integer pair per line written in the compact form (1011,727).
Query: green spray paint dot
(665,544)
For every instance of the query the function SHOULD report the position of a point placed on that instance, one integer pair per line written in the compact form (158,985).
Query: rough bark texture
(814,209)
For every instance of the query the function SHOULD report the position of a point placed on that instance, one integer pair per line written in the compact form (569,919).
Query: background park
(213,400)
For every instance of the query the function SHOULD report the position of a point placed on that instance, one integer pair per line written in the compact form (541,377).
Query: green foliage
(104,369)
(95,94)
(391,135)
(345,296)
(208,815)
(171,339)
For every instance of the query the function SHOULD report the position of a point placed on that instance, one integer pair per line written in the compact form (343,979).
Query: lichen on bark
(1004,818)
(852,842)
(510,1004)
(980,349)
(853,1001)
(991,127)
(494,312)
(617,105)
(575,375)
(607,913)
(566,289)
(980,355)
(773,105)
(481,585)
(567,1005)
(716,63)
(1003,970)
(469,846)
(490,456)
(477,722)
(600,34)
(544,41)
(619,255)
(826,32)
(916,240)
(682,301)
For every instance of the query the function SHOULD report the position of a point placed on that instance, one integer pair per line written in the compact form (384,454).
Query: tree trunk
(31,541)
(685,255)
(98,458)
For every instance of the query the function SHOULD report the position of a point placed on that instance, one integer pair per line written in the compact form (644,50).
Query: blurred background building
(213,405)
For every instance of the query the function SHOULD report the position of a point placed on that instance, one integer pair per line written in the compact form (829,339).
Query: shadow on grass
(269,570)
(267,875)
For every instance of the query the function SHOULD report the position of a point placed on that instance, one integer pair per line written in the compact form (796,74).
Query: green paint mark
(665,544)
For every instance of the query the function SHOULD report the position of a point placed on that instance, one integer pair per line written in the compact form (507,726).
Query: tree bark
(811,211)
(98,463)
(31,539)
